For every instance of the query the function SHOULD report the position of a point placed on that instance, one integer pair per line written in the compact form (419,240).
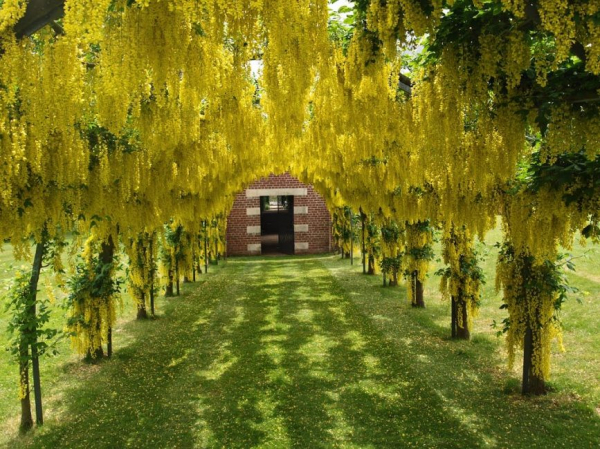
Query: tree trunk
(454,319)
(26,419)
(109,342)
(460,314)
(364,257)
(532,383)
(151,249)
(417,287)
(169,289)
(95,355)
(92,356)
(142,313)
(107,251)
(371,264)
(107,256)
(393,280)
(33,288)
(177,275)
(205,250)
(463,333)
(351,238)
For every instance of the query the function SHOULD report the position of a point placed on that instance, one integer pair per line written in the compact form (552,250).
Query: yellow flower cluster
(141,277)
(10,13)
(91,317)
(531,305)
(462,281)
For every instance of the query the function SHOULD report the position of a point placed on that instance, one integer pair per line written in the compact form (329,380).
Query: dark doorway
(277,224)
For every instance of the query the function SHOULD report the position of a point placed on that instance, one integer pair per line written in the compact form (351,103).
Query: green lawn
(308,352)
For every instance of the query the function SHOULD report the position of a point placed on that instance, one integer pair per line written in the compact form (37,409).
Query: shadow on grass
(280,353)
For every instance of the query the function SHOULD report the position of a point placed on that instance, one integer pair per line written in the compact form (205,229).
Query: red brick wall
(318,218)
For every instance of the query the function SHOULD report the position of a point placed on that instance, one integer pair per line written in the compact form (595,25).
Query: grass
(307,352)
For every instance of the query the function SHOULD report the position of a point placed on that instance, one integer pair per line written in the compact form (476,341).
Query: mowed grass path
(301,352)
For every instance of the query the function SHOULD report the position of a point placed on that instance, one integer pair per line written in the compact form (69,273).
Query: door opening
(277,224)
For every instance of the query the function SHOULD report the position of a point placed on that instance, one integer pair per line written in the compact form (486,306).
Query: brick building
(278,215)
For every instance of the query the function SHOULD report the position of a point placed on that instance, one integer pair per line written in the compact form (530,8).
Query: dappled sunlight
(220,365)
(286,357)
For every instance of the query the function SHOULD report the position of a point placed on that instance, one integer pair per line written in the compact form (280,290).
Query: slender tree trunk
(151,249)
(393,282)
(177,275)
(142,313)
(371,264)
(95,355)
(35,362)
(532,383)
(169,289)
(364,258)
(417,287)
(107,251)
(460,314)
(26,419)
(107,256)
(193,266)
(109,342)
(351,238)
(454,319)
(463,332)
(205,250)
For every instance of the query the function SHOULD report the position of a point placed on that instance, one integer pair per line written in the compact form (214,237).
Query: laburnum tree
(462,279)
(420,109)
(419,253)
(392,251)
(30,335)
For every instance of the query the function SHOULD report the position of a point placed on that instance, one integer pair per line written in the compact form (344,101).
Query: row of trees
(92,283)
(451,112)
(532,293)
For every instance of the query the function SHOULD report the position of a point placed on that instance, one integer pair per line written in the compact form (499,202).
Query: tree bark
(26,419)
(177,275)
(205,250)
(92,356)
(417,287)
(364,257)
(193,268)
(463,333)
(142,313)
(371,269)
(169,290)
(95,355)
(393,280)
(107,256)
(151,249)
(532,383)
(33,288)
(351,238)
(460,314)
(454,318)
(109,342)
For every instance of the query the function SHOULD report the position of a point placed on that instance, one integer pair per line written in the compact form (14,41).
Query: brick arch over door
(312,221)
